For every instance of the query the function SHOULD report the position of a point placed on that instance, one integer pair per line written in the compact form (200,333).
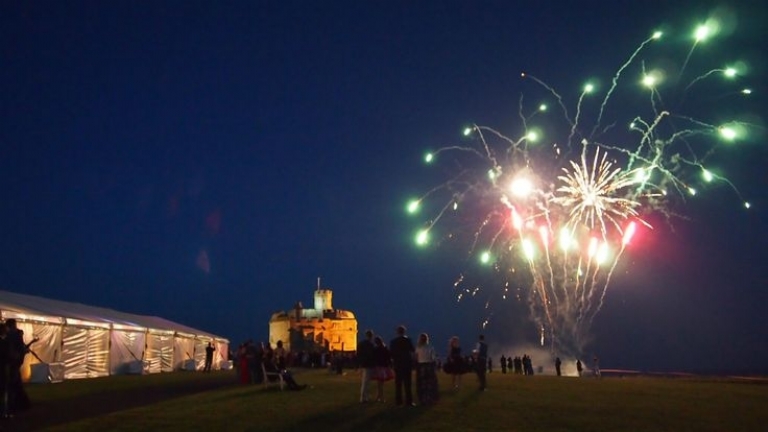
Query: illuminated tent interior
(84,341)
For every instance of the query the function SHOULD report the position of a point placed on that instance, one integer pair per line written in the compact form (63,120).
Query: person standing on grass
(243,369)
(426,376)
(4,370)
(596,367)
(382,370)
(253,362)
(454,363)
(366,361)
(558,363)
(527,365)
(401,348)
(18,400)
(481,354)
(579,367)
(208,357)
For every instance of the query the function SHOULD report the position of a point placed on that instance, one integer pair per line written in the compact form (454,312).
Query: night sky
(207,161)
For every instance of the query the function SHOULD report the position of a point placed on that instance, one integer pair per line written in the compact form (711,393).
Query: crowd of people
(256,363)
(519,365)
(377,361)
(380,362)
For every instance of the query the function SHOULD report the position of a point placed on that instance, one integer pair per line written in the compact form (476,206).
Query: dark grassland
(187,401)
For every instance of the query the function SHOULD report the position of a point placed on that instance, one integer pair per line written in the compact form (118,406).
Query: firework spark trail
(701,77)
(615,80)
(568,220)
(649,80)
(540,284)
(585,293)
(648,134)
(702,32)
(626,238)
(555,94)
(544,231)
(587,89)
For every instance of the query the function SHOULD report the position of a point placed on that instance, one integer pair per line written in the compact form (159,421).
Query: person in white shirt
(426,375)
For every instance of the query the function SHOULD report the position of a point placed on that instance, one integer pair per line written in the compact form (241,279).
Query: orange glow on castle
(321,329)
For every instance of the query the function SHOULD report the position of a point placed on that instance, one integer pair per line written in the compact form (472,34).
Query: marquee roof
(32,308)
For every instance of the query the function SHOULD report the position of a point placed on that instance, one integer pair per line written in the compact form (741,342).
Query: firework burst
(555,219)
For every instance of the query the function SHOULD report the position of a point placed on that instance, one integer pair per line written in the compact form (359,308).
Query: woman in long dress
(426,378)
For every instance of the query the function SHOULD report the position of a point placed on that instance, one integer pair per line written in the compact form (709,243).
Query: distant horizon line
(746,374)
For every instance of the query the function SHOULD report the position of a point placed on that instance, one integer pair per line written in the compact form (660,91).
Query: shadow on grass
(45,414)
(469,398)
(247,392)
(360,417)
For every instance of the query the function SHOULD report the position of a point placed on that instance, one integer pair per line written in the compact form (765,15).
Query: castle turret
(323,299)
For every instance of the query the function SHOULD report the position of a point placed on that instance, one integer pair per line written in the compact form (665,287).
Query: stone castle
(321,329)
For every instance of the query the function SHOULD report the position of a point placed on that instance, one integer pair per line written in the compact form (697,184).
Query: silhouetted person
(255,354)
(367,363)
(208,357)
(426,376)
(281,356)
(481,354)
(557,365)
(402,351)
(338,363)
(18,400)
(527,365)
(455,363)
(382,370)
(270,366)
(503,363)
(4,370)
(579,367)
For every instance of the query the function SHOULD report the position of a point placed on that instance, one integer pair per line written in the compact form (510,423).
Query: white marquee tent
(84,341)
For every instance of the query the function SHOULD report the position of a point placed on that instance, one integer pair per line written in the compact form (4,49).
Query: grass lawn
(213,402)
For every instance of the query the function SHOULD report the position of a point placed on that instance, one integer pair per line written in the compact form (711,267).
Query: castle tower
(323,299)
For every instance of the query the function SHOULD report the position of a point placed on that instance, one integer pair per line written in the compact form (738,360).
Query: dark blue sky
(281,140)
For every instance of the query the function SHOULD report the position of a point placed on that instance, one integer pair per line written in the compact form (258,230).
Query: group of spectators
(397,360)
(521,365)
(256,363)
